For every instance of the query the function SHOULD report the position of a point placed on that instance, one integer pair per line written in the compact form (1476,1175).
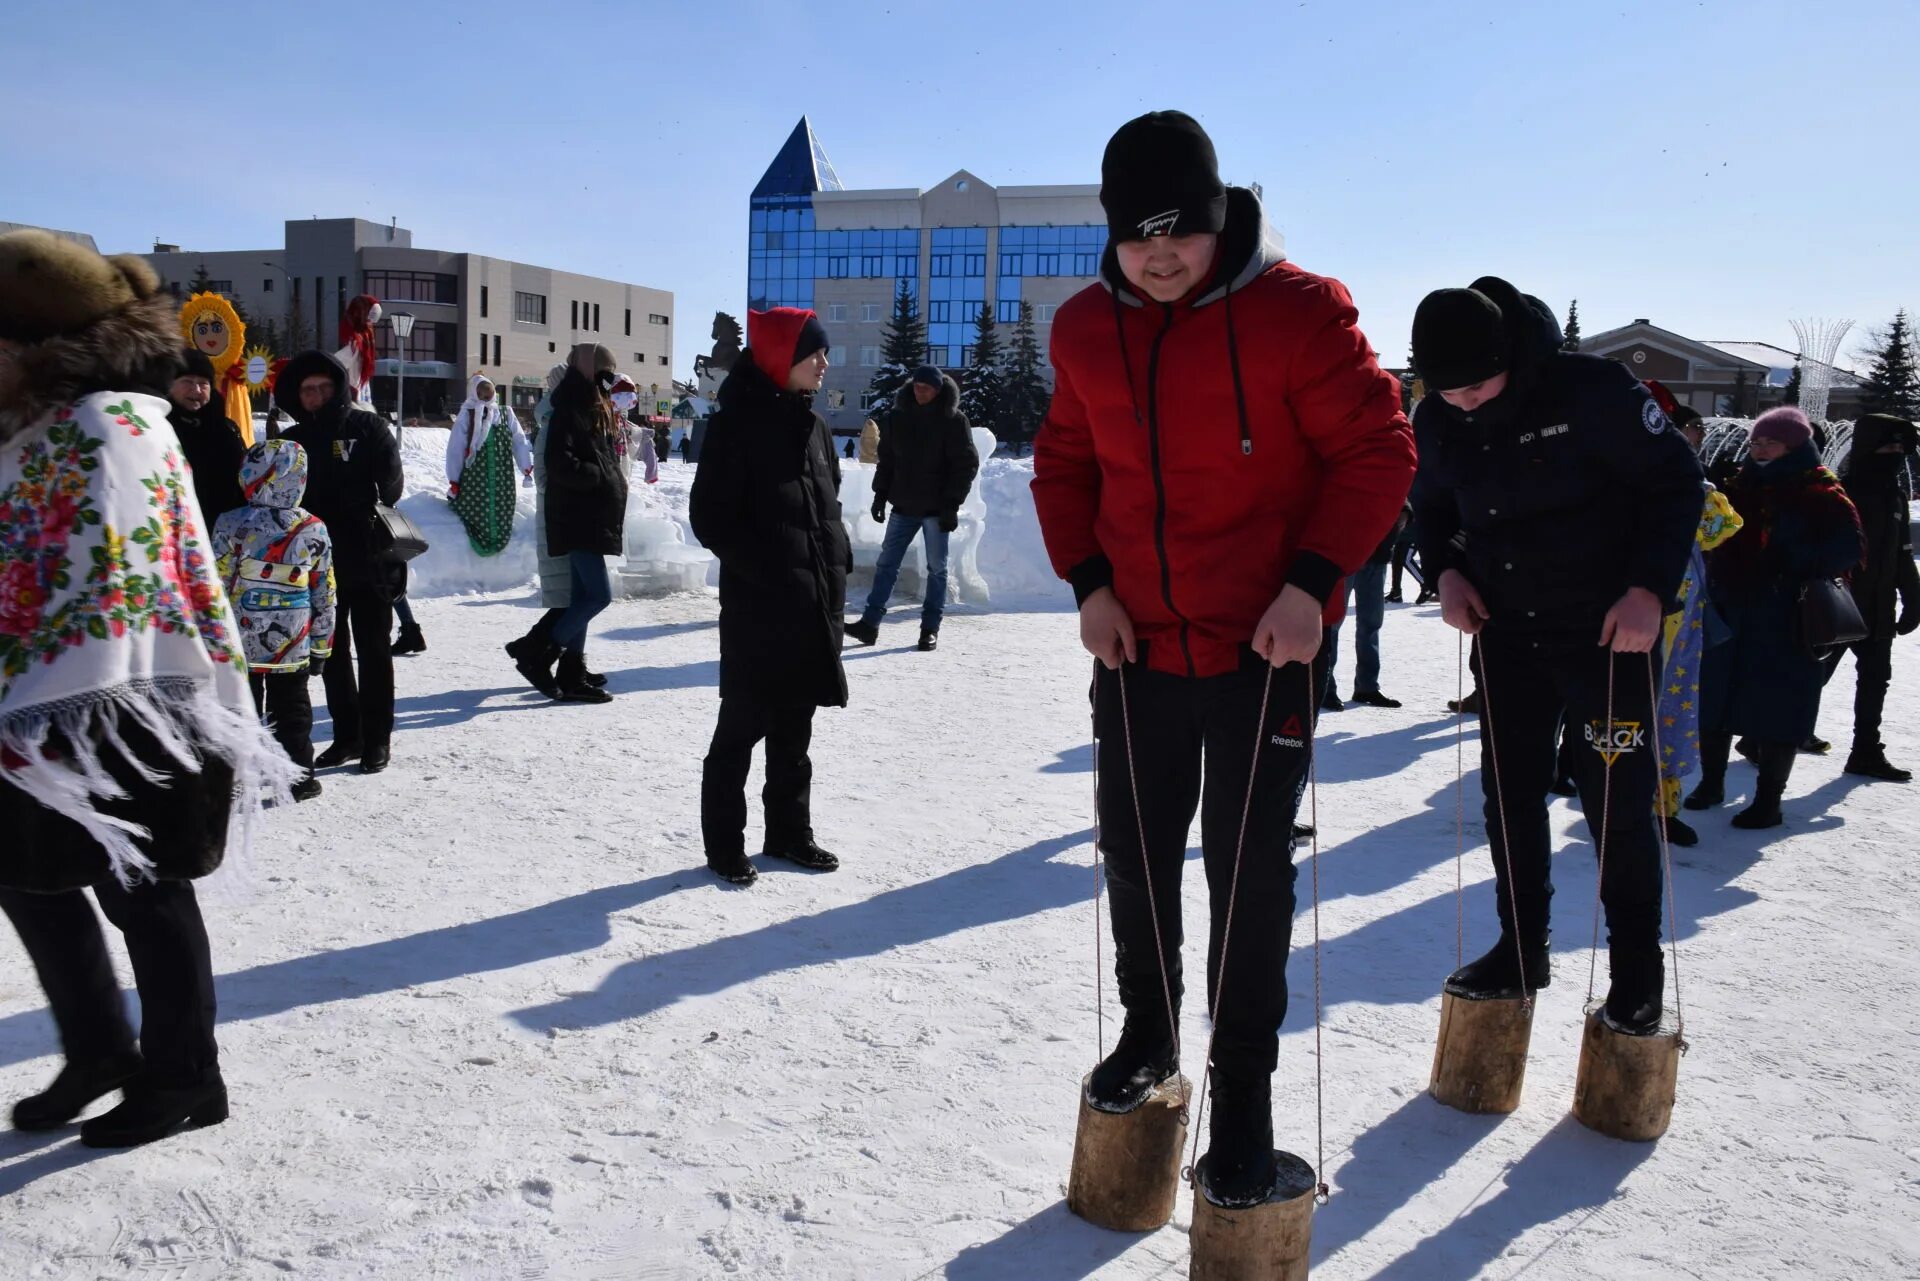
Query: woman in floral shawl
(127,734)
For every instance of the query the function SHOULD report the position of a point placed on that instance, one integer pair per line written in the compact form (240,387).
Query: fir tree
(1791,396)
(1026,386)
(1571,342)
(905,349)
(1408,377)
(1893,386)
(983,396)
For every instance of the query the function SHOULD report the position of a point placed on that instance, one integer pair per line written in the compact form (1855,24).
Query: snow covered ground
(485,1016)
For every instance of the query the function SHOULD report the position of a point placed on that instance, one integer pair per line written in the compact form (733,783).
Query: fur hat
(50,287)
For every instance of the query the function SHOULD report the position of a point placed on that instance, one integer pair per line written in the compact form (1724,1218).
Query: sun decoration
(212,327)
(259,367)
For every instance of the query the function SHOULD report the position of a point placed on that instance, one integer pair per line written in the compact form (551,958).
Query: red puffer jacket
(1198,457)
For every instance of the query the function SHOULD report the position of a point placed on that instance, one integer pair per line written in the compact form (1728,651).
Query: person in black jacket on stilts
(1557,509)
(353,465)
(766,502)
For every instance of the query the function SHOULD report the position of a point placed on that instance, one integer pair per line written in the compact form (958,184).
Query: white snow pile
(996,559)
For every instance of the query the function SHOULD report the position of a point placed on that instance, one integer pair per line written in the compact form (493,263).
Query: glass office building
(956,247)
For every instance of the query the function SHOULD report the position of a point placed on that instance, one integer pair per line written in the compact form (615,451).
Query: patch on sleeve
(1653,418)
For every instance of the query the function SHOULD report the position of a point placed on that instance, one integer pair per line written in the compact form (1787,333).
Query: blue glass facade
(956,290)
(786,254)
(1028,252)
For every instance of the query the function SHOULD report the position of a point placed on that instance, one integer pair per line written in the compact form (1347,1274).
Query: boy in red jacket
(1222,448)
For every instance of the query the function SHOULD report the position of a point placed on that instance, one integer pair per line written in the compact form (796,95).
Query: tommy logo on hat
(1161,224)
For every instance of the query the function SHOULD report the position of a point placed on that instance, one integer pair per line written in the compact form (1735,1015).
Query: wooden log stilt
(1126,1165)
(1627,1083)
(1480,1060)
(1265,1242)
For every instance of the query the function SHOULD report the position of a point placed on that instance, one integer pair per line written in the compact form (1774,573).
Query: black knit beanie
(930,376)
(813,337)
(1160,177)
(197,365)
(1459,339)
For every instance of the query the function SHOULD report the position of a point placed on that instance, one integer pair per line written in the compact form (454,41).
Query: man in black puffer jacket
(927,465)
(1557,508)
(766,502)
(352,465)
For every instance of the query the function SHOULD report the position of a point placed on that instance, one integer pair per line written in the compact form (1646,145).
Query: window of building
(573,314)
(1007,311)
(530,309)
(869,357)
(551,349)
(496,349)
(939,313)
(836,399)
(483,349)
(412,286)
(940,265)
(266,286)
(639,357)
(430,340)
(870,265)
(596,318)
(1043,312)
(663,360)
(655,318)
(629,329)
(836,312)
(837,268)
(483,302)
(869,312)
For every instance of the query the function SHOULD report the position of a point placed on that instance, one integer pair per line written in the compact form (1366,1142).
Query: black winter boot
(1468,706)
(1871,761)
(1143,1058)
(77,1085)
(571,677)
(733,867)
(1498,973)
(1634,1000)
(152,1112)
(805,854)
(1776,767)
(534,659)
(1238,1169)
(410,641)
(929,641)
(864,632)
(1711,791)
(337,754)
(1679,833)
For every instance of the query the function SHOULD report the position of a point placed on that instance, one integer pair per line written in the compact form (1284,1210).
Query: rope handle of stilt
(1500,805)
(1460,804)
(1146,874)
(1099,878)
(1321,1192)
(1666,863)
(1606,822)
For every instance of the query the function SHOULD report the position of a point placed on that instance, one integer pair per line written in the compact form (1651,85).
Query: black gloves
(880,508)
(949,521)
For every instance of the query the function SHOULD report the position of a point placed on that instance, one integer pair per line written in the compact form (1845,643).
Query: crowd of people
(1223,465)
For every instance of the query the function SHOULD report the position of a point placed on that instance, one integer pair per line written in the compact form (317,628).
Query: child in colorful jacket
(276,561)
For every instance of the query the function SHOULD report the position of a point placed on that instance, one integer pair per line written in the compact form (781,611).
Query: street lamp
(402,322)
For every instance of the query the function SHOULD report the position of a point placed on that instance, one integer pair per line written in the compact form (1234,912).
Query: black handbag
(1829,617)
(395,536)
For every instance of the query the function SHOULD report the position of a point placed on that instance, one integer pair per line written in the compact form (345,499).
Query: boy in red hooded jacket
(1222,448)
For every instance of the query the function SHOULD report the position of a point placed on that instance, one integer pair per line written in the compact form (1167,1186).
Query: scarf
(111,608)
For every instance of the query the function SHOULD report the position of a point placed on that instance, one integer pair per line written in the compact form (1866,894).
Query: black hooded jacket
(1561,493)
(353,464)
(766,502)
(1887,582)
(927,459)
(214,449)
(586,474)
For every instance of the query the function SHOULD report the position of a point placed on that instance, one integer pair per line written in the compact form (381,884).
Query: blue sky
(1649,159)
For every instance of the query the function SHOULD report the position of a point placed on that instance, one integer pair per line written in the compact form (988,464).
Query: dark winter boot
(1712,788)
(151,1112)
(571,677)
(1238,1169)
(1638,989)
(1776,767)
(733,867)
(864,632)
(534,660)
(596,679)
(1872,762)
(77,1085)
(307,788)
(1679,833)
(1330,701)
(410,641)
(336,755)
(1816,746)
(1374,698)
(805,854)
(1498,973)
(929,641)
(1303,831)
(1143,1058)
(1468,706)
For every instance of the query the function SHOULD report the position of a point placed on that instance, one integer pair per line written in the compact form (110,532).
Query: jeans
(788,731)
(592,592)
(172,968)
(362,710)
(893,550)
(1193,747)
(1369,587)
(403,611)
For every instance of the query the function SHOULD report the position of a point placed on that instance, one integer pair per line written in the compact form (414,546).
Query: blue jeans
(592,592)
(403,611)
(893,550)
(1369,587)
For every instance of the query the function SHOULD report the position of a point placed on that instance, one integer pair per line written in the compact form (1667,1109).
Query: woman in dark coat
(766,503)
(128,736)
(1761,681)
(1887,584)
